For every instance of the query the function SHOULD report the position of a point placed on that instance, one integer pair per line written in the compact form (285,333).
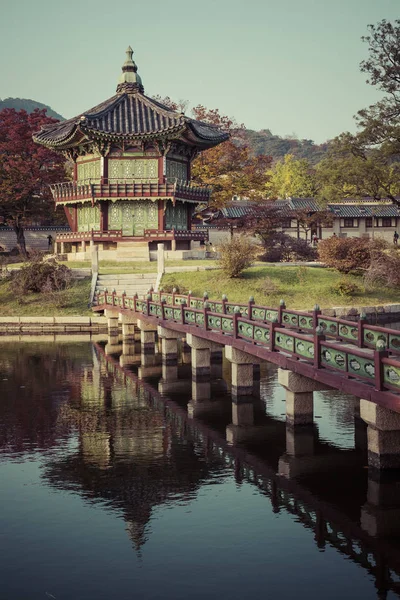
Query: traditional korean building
(131,184)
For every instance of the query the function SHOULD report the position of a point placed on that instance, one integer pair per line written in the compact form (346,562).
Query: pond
(110,489)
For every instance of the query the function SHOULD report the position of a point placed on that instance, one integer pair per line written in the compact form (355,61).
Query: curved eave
(73,138)
(204,138)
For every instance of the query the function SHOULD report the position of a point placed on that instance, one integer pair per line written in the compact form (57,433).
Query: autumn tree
(26,170)
(230,168)
(310,221)
(368,163)
(291,178)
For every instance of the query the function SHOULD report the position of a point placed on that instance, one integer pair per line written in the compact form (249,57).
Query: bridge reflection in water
(328,489)
(148,434)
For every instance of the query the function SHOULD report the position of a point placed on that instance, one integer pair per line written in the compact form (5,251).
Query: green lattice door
(133,217)
(88,218)
(176,216)
(146,216)
(128,216)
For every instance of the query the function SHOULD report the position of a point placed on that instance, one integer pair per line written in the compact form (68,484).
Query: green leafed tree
(291,178)
(368,163)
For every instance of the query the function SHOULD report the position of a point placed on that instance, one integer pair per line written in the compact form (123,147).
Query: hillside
(29,106)
(265,142)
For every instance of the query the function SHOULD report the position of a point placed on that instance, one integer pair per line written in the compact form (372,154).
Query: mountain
(29,106)
(265,142)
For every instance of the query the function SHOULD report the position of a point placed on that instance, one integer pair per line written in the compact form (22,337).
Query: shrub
(285,248)
(40,276)
(350,254)
(236,255)
(384,270)
(345,288)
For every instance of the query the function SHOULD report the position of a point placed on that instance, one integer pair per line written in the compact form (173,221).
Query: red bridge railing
(358,350)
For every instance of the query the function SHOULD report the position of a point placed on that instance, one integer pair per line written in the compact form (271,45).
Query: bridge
(313,351)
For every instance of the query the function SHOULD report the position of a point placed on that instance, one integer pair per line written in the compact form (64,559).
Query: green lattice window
(142,169)
(176,216)
(88,217)
(90,170)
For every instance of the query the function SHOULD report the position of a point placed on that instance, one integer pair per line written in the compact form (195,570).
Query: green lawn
(300,287)
(73,301)
(107,267)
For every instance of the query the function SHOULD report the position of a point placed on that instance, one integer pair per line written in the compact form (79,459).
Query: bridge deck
(354,357)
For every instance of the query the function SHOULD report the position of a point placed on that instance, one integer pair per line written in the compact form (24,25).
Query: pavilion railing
(129,188)
(301,335)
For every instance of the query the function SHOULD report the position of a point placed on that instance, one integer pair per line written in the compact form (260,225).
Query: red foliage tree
(230,168)
(26,170)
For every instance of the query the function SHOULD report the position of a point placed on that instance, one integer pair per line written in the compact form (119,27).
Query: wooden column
(161,225)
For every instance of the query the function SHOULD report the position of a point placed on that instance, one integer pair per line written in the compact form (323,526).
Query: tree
(368,163)
(26,170)
(311,221)
(292,177)
(230,168)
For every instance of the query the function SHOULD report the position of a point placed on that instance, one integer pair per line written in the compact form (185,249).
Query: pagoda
(131,186)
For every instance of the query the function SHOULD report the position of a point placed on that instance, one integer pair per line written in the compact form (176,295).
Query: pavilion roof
(130,115)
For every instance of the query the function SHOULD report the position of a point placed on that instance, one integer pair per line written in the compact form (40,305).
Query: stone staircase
(131,283)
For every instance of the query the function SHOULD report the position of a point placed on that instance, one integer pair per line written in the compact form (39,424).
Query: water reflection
(191,474)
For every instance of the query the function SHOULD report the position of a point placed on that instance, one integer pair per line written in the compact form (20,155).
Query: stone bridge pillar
(169,352)
(201,357)
(113,346)
(299,396)
(242,371)
(383,435)
(129,355)
(128,326)
(112,321)
(147,336)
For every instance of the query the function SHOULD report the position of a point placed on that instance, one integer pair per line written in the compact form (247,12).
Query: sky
(291,66)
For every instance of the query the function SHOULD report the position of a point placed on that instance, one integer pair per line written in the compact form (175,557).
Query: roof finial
(130,81)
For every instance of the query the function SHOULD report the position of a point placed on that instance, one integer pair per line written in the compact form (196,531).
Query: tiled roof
(256,210)
(303,203)
(364,210)
(129,115)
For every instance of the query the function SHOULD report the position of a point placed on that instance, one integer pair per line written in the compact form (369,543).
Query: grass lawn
(107,267)
(73,301)
(300,287)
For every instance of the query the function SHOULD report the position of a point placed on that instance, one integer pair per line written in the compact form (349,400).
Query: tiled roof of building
(364,210)
(130,114)
(303,204)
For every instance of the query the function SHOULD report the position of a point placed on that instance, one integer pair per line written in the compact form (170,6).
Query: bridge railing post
(123,299)
(235,316)
(205,311)
(272,326)
(281,308)
(162,310)
(189,295)
(360,330)
(379,353)
(183,306)
(224,301)
(318,338)
(135,298)
(250,308)
(316,313)
(113,294)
